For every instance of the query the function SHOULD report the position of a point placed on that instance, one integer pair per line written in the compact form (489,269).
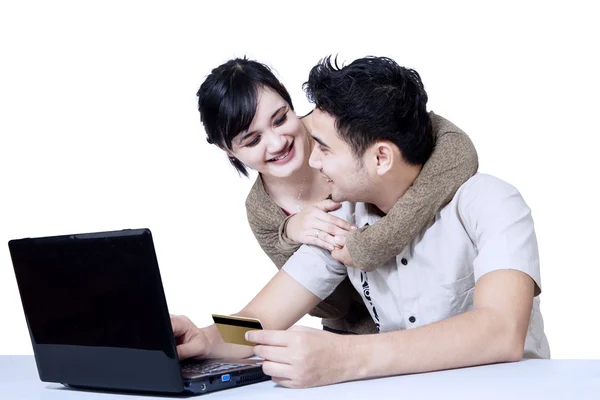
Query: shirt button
(404,261)
(412,320)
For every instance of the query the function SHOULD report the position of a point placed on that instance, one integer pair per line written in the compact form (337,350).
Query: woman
(249,114)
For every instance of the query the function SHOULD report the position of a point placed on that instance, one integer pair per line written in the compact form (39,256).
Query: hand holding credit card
(233,329)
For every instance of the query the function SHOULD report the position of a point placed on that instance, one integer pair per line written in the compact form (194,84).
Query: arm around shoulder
(453,161)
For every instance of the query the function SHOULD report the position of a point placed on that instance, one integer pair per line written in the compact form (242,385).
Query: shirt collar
(365,214)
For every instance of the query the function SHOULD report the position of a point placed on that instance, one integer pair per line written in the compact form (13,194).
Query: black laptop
(98,318)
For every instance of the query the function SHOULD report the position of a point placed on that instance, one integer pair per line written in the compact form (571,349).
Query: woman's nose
(275,143)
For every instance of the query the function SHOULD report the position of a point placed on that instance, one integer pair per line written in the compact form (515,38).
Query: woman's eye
(254,141)
(281,120)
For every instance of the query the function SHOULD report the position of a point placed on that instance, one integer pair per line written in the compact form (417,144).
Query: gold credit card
(233,329)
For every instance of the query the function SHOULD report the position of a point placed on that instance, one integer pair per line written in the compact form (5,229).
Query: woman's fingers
(332,220)
(321,235)
(315,226)
(339,222)
(328,205)
(317,241)
(329,227)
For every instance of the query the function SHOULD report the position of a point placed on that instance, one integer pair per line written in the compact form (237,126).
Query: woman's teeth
(281,158)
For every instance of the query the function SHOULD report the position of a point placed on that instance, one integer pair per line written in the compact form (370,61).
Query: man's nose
(315,159)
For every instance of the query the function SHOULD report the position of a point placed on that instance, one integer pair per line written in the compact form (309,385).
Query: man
(464,293)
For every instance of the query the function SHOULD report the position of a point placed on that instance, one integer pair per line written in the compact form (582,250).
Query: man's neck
(393,185)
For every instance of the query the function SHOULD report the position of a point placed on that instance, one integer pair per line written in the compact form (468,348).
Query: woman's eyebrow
(277,111)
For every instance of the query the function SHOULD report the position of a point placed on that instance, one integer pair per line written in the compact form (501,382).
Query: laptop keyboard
(202,369)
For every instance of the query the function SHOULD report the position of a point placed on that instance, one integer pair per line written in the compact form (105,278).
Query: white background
(99,129)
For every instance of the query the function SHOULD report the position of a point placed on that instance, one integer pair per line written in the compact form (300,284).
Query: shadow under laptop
(77,389)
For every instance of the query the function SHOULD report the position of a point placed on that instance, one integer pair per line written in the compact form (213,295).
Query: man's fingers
(283,382)
(268,337)
(302,328)
(273,353)
(277,370)
(340,256)
(179,325)
(187,350)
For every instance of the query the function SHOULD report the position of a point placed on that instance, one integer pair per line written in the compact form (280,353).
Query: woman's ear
(227,151)
(232,158)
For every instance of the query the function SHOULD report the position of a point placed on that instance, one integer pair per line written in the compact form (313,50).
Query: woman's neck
(306,179)
(306,185)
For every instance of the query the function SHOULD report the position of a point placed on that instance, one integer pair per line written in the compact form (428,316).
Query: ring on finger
(317,233)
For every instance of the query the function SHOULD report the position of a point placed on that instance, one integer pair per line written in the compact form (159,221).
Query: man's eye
(281,120)
(254,141)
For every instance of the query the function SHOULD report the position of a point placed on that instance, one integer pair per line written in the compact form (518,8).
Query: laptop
(98,319)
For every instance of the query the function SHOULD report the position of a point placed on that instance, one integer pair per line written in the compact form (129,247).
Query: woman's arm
(267,236)
(453,161)
(266,231)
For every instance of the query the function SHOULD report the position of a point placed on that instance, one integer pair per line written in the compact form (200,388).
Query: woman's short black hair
(372,99)
(228,97)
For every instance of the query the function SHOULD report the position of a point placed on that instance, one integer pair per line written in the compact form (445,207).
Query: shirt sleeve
(316,270)
(500,224)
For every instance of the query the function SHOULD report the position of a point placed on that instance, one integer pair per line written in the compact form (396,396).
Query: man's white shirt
(486,227)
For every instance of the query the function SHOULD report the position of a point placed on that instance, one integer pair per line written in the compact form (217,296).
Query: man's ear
(384,157)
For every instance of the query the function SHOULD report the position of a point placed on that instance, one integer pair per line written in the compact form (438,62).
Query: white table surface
(530,379)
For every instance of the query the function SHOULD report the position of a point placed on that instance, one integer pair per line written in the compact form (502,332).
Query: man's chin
(338,197)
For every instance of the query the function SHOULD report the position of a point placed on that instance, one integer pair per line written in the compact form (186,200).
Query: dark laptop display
(98,318)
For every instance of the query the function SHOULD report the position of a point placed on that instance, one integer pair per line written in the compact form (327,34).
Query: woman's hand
(313,225)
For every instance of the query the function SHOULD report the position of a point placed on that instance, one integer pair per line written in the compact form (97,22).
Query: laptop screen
(92,290)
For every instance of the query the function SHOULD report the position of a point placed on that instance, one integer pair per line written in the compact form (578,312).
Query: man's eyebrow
(247,135)
(319,141)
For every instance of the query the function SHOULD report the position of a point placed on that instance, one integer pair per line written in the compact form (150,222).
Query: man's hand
(303,357)
(191,340)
